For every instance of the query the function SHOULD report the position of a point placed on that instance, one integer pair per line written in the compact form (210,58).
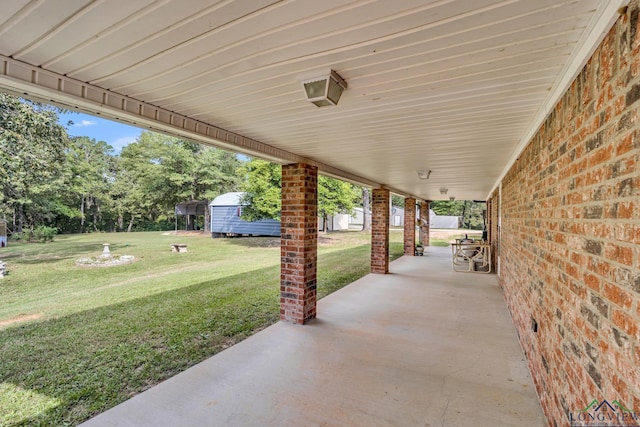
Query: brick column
(298,244)
(380,231)
(409,226)
(424,223)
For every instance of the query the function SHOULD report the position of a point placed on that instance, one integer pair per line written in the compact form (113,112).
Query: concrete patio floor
(422,346)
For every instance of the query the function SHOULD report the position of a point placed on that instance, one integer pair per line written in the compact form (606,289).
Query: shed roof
(191,207)
(227,199)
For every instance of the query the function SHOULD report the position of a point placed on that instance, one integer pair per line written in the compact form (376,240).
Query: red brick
(298,246)
(380,231)
(424,220)
(626,323)
(626,144)
(625,210)
(617,295)
(575,240)
(592,281)
(409,226)
(618,253)
(573,271)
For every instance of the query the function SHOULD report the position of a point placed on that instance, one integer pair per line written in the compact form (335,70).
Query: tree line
(77,184)
(53,181)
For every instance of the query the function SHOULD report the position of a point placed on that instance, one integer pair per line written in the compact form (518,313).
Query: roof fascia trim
(28,81)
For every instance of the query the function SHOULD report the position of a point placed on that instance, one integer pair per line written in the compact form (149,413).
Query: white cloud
(84,123)
(121,142)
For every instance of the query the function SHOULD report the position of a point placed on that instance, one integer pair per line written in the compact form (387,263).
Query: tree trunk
(464,213)
(96,215)
(366,215)
(82,214)
(20,219)
(130,224)
(207,217)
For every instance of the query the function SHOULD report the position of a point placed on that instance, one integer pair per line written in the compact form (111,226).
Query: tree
(214,172)
(469,211)
(160,171)
(262,187)
(32,147)
(262,193)
(366,215)
(447,207)
(125,196)
(78,184)
(397,201)
(335,196)
(89,172)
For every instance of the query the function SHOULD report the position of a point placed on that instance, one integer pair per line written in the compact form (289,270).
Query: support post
(424,222)
(409,226)
(298,244)
(380,231)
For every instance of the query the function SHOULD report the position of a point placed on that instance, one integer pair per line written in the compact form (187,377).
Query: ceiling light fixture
(443,190)
(325,90)
(424,174)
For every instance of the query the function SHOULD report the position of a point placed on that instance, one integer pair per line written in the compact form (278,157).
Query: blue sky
(113,133)
(116,134)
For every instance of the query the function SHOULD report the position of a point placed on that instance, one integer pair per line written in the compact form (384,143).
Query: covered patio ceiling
(455,87)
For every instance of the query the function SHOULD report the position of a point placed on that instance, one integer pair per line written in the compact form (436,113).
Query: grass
(446,240)
(75,341)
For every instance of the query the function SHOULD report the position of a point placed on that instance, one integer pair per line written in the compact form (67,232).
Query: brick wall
(570,235)
(409,226)
(298,245)
(493,230)
(380,231)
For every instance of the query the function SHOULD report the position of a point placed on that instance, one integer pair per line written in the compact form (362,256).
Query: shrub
(26,235)
(42,233)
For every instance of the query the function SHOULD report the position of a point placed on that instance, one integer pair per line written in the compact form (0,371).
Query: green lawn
(451,238)
(75,341)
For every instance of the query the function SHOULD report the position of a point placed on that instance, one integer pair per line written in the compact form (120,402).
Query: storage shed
(195,213)
(443,221)
(335,222)
(396,219)
(226,211)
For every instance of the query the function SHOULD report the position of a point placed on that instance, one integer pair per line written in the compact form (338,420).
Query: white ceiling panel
(451,86)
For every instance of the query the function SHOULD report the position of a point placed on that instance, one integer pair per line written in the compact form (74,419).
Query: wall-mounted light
(424,174)
(443,190)
(324,90)
(452,198)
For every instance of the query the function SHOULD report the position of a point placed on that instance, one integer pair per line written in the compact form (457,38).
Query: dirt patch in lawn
(20,318)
